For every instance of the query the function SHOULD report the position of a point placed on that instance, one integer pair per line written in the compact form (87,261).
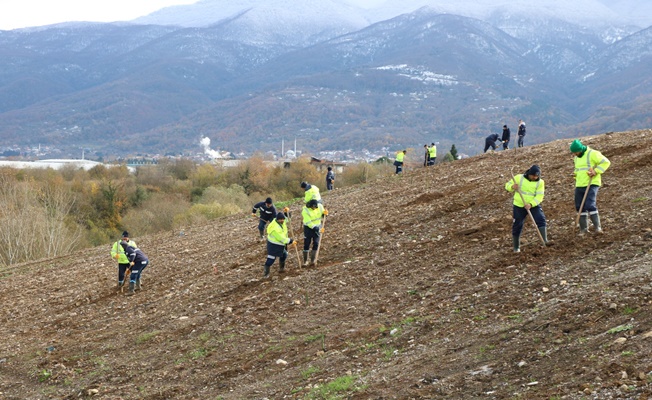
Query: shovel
(536,228)
(579,212)
(323,225)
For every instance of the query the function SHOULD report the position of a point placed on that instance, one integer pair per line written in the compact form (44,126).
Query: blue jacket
(266,213)
(134,255)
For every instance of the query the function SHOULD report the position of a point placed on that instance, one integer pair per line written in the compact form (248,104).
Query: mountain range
(331,74)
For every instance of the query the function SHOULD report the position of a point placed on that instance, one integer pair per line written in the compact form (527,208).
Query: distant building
(322,165)
(56,164)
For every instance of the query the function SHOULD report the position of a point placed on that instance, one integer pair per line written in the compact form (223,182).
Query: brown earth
(417,295)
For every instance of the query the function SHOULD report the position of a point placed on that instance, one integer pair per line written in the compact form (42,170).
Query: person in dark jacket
(138,261)
(521,132)
(506,137)
(490,141)
(266,215)
(330,178)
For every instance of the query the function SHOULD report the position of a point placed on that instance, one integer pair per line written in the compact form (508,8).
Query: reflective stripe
(275,242)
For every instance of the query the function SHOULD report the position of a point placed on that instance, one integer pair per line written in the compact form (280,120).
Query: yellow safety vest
(533,191)
(432,151)
(312,217)
(312,194)
(399,156)
(590,159)
(277,233)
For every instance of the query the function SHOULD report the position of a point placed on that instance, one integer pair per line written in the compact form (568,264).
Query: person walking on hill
(532,187)
(138,261)
(267,212)
(432,154)
(506,137)
(117,253)
(426,156)
(490,141)
(312,214)
(398,162)
(330,178)
(590,164)
(521,132)
(311,192)
(277,242)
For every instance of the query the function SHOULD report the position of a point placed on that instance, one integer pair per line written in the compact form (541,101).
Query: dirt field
(416,295)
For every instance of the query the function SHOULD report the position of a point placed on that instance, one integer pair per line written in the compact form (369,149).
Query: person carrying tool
(267,212)
(311,192)
(426,156)
(490,141)
(330,178)
(506,136)
(590,164)
(532,188)
(432,154)
(138,261)
(277,242)
(118,254)
(312,213)
(398,162)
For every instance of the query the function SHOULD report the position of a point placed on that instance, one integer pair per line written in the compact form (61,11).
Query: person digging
(528,191)
(312,214)
(277,242)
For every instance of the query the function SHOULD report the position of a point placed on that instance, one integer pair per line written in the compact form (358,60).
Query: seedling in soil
(620,328)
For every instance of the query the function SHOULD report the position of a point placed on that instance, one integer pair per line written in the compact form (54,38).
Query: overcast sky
(23,13)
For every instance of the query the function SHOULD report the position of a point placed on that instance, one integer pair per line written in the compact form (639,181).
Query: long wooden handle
(536,228)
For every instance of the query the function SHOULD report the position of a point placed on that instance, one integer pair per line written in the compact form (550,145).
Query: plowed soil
(416,295)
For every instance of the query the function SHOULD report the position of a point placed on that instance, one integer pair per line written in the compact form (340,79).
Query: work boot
(138,286)
(266,272)
(131,292)
(281,266)
(305,258)
(584,224)
(595,219)
(313,253)
(120,284)
(516,243)
(544,233)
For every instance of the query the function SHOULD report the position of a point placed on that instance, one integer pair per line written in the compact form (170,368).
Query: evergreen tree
(454,152)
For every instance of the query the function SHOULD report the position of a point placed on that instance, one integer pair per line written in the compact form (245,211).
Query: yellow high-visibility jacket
(277,233)
(312,194)
(117,249)
(312,218)
(432,151)
(590,159)
(533,191)
(399,156)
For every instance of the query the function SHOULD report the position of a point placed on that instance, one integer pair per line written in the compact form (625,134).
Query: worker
(398,162)
(266,213)
(432,153)
(312,214)
(505,138)
(330,178)
(118,254)
(426,156)
(138,261)
(521,132)
(311,192)
(277,242)
(490,141)
(528,187)
(590,164)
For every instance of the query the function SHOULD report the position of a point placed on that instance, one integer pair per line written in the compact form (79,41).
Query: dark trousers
(399,167)
(431,161)
(122,269)
(329,185)
(137,271)
(271,258)
(489,143)
(311,235)
(520,141)
(590,206)
(520,214)
(505,144)
(261,226)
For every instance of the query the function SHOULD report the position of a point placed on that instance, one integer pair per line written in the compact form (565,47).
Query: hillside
(417,295)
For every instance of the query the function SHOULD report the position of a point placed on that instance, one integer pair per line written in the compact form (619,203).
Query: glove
(321,230)
(286,210)
(294,244)
(325,212)
(131,263)
(253,215)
